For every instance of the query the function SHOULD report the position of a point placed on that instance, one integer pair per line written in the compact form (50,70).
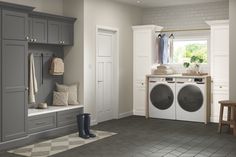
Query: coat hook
(159,36)
(171,35)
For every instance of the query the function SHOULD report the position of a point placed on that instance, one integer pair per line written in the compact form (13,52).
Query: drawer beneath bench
(42,122)
(65,118)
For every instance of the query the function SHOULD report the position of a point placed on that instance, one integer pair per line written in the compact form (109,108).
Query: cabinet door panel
(219,35)
(67,33)
(139,101)
(142,43)
(54,32)
(15,25)
(142,67)
(14,78)
(0,82)
(39,30)
(220,67)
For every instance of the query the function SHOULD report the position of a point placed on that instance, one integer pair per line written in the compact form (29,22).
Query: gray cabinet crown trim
(52,16)
(16,6)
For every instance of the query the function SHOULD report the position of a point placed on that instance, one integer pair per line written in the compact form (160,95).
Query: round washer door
(190,98)
(162,96)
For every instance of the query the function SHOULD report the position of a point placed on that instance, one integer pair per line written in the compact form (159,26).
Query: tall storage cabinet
(144,55)
(14,74)
(23,30)
(219,65)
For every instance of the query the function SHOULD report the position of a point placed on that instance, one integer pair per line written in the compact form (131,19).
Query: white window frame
(192,38)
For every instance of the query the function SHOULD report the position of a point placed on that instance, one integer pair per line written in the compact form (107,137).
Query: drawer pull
(221,87)
(40,123)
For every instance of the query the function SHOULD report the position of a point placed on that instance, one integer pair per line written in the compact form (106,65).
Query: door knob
(27,38)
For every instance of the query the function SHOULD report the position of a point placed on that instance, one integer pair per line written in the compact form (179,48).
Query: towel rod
(183,30)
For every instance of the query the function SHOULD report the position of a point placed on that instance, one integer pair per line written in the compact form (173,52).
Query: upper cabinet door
(67,31)
(54,32)
(39,30)
(15,25)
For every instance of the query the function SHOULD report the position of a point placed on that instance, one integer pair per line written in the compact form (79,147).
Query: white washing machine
(162,98)
(191,99)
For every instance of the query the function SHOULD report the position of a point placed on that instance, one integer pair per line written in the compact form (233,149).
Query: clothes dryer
(162,97)
(191,99)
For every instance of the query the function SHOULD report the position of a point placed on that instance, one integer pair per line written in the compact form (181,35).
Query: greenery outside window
(184,50)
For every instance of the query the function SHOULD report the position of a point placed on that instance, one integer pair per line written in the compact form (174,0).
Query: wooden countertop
(178,76)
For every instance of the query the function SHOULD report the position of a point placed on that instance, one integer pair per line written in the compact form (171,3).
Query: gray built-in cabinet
(24,31)
(51,29)
(60,32)
(14,74)
(37,32)
(14,25)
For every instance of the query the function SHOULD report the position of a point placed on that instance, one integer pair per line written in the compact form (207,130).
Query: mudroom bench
(53,117)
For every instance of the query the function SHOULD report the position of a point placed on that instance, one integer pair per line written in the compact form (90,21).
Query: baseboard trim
(94,122)
(139,113)
(125,114)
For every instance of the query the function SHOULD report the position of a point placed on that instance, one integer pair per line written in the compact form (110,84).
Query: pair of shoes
(83,121)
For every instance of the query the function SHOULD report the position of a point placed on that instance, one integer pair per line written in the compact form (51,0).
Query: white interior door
(104,76)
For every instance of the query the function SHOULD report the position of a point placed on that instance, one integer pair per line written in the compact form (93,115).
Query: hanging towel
(33,87)
(164,49)
(157,48)
(57,66)
(171,49)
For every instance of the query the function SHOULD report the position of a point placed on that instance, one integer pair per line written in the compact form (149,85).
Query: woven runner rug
(58,145)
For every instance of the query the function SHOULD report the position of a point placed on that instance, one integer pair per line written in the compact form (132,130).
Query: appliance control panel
(191,80)
(162,79)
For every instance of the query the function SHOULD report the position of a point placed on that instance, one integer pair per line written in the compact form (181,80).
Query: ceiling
(163,3)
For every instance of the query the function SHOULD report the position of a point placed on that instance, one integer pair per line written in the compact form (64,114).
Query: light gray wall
(186,16)
(74,56)
(80,59)
(232,49)
(121,16)
(48,6)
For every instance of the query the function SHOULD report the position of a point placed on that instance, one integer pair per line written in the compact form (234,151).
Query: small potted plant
(195,61)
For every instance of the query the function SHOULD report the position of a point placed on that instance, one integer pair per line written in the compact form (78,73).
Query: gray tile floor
(140,137)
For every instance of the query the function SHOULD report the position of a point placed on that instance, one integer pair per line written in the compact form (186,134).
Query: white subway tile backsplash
(186,16)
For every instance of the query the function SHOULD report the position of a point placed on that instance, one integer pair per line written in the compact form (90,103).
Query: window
(183,50)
